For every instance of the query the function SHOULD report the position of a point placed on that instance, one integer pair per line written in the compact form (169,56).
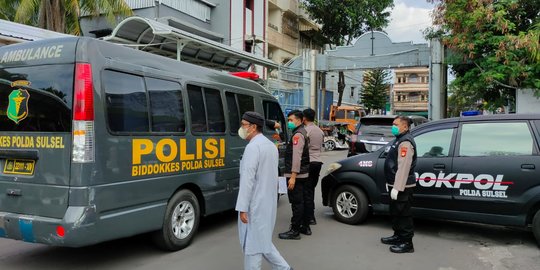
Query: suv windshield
(36,98)
(375,126)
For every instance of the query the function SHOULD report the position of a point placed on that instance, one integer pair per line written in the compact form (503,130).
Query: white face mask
(243,133)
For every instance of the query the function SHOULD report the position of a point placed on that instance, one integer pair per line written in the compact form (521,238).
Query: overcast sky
(407,20)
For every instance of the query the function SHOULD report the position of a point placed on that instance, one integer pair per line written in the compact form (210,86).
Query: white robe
(258,195)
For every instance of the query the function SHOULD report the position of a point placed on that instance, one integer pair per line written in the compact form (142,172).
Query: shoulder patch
(295,140)
(403,151)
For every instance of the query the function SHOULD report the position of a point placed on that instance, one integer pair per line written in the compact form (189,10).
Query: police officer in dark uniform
(400,180)
(297,172)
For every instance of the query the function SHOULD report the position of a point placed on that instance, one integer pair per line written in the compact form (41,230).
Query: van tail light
(83,115)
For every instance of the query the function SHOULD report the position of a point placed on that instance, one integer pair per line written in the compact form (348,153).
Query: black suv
(375,131)
(481,169)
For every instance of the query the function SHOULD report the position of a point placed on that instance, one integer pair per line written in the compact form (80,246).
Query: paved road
(439,245)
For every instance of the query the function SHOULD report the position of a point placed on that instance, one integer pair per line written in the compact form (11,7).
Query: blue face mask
(395,130)
(291,125)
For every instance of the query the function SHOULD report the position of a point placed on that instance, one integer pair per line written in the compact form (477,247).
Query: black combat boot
(391,240)
(313,221)
(405,247)
(290,234)
(305,230)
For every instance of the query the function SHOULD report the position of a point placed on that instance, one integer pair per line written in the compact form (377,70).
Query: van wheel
(350,205)
(181,222)
(536,227)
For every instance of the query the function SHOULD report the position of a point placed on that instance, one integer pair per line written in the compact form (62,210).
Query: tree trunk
(340,87)
(52,15)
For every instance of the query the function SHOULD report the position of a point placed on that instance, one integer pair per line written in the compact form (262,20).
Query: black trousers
(313,179)
(298,198)
(400,210)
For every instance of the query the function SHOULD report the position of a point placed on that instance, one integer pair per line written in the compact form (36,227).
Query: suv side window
(127,108)
(434,143)
(496,139)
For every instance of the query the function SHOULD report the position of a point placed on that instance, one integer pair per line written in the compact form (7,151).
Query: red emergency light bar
(246,75)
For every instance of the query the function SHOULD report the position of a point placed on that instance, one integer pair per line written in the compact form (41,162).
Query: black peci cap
(254,118)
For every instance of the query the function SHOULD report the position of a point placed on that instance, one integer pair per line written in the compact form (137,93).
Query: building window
(352,91)
(248,46)
(249,4)
(413,78)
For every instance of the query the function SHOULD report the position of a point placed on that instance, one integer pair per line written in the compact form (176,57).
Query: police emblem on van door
(18,105)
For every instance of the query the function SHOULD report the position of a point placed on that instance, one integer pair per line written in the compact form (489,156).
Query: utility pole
(313,83)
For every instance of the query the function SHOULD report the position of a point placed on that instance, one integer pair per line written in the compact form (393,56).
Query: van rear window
(36,98)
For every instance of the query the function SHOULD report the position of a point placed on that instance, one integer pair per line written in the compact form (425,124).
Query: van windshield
(36,98)
(375,126)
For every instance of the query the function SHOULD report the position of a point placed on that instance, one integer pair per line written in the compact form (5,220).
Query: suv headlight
(332,168)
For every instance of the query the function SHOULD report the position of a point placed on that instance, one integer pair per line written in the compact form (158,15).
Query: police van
(99,141)
(480,169)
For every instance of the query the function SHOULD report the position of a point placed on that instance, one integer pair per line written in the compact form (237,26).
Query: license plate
(19,166)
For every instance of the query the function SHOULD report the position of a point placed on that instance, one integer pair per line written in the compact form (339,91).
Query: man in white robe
(257,197)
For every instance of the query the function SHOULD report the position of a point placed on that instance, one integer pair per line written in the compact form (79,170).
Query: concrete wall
(526,102)
(221,19)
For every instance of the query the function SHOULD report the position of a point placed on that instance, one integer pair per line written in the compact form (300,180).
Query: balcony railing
(284,42)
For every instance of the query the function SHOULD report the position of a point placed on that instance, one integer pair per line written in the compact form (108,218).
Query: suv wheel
(181,222)
(350,204)
(536,227)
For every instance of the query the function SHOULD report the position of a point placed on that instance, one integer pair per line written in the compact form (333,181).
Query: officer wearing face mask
(257,196)
(400,180)
(297,172)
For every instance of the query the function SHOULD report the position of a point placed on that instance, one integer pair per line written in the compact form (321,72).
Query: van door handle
(14,192)
(439,166)
(528,166)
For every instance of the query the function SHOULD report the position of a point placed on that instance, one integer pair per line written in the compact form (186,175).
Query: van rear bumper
(78,227)
(82,225)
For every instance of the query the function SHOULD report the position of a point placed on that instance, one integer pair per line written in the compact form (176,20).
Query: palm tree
(61,15)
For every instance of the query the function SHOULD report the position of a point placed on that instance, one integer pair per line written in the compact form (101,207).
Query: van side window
(237,108)
(196,104)
(272,111)
(510,139)
(166,106)
(246,103)
(206,109)
(214,110)
(127,109)
(232,112)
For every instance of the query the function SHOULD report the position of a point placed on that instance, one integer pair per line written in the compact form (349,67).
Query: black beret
(254,118)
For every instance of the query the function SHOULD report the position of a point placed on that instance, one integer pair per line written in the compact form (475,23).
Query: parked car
(374,131)
(482,169)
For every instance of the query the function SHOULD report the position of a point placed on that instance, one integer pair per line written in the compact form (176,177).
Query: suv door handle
(439,166)
(528,166)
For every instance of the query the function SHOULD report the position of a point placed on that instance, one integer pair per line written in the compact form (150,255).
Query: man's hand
(244,217)
(292,181)
(393,194)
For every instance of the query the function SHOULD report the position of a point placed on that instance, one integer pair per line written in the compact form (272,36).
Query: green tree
(494,45)
(61,15)
(344,20)
(375,87)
